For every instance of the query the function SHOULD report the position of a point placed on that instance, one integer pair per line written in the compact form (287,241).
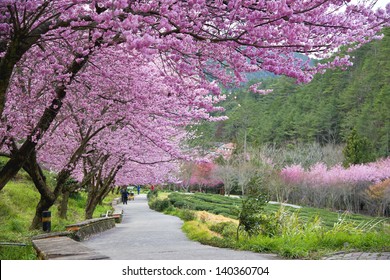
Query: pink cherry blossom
(152,62)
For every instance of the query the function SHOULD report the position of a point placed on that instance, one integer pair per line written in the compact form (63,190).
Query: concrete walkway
(145,234)
(359,256)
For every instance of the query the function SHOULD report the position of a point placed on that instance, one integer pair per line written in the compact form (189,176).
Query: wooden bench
(117,215)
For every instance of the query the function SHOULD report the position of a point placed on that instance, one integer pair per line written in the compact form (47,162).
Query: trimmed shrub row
(215,204)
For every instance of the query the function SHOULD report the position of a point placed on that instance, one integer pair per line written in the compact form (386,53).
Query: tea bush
(159,204)
(187,215)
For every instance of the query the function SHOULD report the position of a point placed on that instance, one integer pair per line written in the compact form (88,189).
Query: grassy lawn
(18,200)
(305,233)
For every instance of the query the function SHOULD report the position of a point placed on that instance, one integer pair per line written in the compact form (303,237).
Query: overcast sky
(380,3)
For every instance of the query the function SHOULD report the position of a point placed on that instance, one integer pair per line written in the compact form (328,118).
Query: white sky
(380,3)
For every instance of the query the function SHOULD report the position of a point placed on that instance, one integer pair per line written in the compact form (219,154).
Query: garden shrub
(178,204)
(159,204)
(250,215)
(152,194)
(173,197)
(203,207)
(224,211)
(216,204)
(188,215)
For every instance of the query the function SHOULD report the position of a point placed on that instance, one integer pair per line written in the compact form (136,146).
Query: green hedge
(228,207)
(216,204)
(159,204)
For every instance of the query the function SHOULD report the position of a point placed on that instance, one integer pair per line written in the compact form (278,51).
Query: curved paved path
(145,234)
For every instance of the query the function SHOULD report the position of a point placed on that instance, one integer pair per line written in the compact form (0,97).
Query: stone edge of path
(65,245)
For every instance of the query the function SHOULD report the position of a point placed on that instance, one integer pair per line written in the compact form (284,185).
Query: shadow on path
(145,234)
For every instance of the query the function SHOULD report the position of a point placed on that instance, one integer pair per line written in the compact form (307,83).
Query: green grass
(305,233)
(315,244)
(296,241)
(18,200)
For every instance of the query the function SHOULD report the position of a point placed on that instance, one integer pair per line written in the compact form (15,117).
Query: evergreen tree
(358,150)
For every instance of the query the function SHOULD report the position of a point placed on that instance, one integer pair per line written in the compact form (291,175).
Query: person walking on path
(138,189)
(125,195)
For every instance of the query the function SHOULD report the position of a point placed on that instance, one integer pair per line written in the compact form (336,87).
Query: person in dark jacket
(125,196)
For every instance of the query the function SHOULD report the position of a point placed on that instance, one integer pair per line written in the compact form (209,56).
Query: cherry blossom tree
(335,187)
(139,111)
(203,176)
(192,38)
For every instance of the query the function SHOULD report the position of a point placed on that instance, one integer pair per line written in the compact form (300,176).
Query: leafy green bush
(152,194)
(159,204)
(251,214)
(216,204)
(250,218)
(204,207)
(187,215)
(178,204)
(227,212)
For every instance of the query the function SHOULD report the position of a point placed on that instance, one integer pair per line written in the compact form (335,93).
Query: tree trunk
(95,198)
(48,197)
(63,207)
(99,189)
(16,162)
(91,206)
(44,205)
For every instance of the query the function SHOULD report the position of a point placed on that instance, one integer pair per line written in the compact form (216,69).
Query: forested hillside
(325,110)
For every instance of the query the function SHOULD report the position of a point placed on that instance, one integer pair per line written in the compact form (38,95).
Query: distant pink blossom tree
(336,187)
(321,175)
(203,176)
